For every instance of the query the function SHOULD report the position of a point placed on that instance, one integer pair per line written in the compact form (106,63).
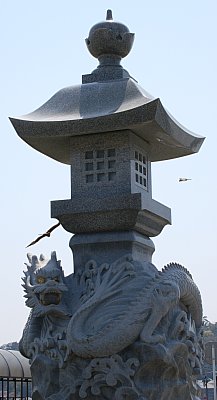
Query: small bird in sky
(46,234)
(184,179)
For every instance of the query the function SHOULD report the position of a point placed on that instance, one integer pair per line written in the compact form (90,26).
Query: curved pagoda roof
(13,365)
(108,99)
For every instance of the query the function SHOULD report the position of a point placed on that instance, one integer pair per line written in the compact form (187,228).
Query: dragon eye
(56,279)
(40,279)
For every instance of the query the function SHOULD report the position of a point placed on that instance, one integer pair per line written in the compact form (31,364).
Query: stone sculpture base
(142,372)
(116,329)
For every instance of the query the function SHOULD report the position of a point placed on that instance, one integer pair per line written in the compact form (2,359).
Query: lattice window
(141,169)
(100,166)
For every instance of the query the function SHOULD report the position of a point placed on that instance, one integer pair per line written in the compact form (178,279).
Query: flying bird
(46,234)
(184,179)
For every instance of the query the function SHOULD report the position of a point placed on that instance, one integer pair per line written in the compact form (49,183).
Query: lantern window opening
(88,155)
(100,154)
(111,164)
(89,166)
(102,165)
(101,177)
(89,178)
(111,152)
(141,169)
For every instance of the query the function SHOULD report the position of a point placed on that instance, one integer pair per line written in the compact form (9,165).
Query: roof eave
(167,138)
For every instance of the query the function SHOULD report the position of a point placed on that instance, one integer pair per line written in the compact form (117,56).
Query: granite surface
(117,328)
(102,107)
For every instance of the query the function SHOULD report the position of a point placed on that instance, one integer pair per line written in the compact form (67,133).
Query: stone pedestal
(108,247)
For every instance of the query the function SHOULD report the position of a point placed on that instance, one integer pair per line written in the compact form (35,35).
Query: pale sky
(174,58)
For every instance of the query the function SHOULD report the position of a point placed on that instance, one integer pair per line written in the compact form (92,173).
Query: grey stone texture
(104,106)
(109,100)
(111,187)
(117,328)
(107,247)
(120,330)
(84,124)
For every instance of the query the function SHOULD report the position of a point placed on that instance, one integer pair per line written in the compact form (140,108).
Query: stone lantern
(109,130)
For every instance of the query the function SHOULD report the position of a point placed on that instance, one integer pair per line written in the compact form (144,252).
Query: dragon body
(189,293)
(116,305)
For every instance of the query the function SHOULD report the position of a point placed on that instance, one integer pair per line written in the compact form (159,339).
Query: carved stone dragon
(118,303)
(102,311)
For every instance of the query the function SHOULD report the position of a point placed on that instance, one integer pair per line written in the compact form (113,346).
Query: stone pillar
(117,328)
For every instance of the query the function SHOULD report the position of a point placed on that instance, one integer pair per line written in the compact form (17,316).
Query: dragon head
(44,286)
